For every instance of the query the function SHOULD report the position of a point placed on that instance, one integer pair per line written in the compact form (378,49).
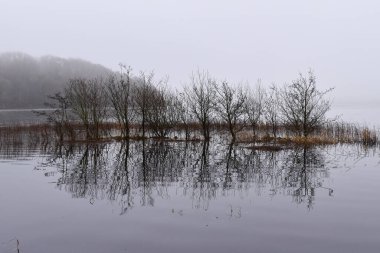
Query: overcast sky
(237,40)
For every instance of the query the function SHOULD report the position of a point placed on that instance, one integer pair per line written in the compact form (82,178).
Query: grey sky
(238,40)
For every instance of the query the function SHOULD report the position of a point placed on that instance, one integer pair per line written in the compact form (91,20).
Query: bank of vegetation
(124,106)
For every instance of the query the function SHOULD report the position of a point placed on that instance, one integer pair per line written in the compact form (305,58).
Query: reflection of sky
(45,219)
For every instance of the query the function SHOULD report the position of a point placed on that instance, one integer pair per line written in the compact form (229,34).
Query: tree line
(145,103)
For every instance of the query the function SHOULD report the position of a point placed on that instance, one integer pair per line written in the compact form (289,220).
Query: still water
(188,197)
(22,116)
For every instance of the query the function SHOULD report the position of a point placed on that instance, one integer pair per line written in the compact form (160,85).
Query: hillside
(26,81)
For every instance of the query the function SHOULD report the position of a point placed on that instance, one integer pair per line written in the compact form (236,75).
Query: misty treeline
(25,81)
(147,106)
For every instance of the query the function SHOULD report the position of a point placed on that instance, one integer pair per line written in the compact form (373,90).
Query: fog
(237,40)
(25,81)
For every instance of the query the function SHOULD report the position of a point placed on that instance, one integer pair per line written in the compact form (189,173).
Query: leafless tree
(200,96)
(119,92)
(230,102)
(271,110)
(185,118)
(303,106)
(254,106)
(162,116)
(60,117)
(143,94)
(89,102)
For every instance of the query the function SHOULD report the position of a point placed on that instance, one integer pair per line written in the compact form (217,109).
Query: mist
(238,41)
(26,81)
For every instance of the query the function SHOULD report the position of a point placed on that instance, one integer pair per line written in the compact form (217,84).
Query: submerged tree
(254,106)
(119,92)
(200,96)
(184,114)
(143,93)
(230,107)
(88,100)
(271,110)
(60,117)
(303,106)
(163,115)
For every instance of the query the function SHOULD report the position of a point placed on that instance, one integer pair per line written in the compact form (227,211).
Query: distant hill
(26,81)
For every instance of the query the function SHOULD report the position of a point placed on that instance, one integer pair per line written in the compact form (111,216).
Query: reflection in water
(305,171)
(226,198)
(138,173)
(89,179)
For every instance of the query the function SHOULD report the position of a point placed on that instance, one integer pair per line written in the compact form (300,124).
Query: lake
(188,197)
(21,116)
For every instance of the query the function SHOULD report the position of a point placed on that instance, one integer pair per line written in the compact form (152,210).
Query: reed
(368,137)
(329,134)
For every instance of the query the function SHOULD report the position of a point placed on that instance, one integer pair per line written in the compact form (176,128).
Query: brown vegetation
(334,133)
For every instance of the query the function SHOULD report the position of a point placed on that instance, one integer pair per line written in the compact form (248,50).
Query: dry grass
(368,137)
(328,135)
(268,147)
(312,140)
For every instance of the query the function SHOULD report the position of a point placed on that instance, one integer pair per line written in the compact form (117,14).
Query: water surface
(188,197)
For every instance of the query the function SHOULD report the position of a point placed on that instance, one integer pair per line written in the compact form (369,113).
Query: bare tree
(254,106)
(119,92)
(60,117)
(230,107)
(185,118)
(162,116)
(143,94)
(271,110)
(200,97)
(89,102)
(303,106)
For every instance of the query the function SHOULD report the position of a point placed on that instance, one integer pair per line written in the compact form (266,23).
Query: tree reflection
(120,187)
(305,170)
(139,173)
(89,178)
